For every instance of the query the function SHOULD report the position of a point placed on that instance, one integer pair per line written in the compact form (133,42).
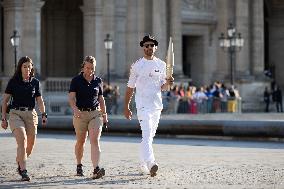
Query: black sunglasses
(149,45)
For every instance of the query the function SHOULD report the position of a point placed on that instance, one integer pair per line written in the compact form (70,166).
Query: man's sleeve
(132,77)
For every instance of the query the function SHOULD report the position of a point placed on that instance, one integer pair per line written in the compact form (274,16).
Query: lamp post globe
(15,42)
(231,43)
(108,46)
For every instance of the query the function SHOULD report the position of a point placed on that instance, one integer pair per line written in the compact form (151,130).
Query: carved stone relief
(199,5)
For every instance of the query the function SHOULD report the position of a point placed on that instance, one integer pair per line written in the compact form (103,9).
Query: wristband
(44,114)
(4,119)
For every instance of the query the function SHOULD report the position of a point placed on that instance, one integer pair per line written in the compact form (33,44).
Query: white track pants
(149,120)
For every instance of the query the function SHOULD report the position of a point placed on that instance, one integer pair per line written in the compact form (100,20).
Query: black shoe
(98,173)
(153,170)
(25,176)
(80,170)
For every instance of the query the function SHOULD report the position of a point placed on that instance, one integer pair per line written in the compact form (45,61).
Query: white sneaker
(144,169)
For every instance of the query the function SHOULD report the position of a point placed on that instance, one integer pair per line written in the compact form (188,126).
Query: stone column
(222,68)
(118,64)
(257,38)
(243,64)
(31,32)
(92,27)
(108,27)
(175,32)
(135,31)
(1,46)
(160,26)
(13,10)
(142,8)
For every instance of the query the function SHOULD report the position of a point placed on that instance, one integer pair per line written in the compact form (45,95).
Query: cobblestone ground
(183,163)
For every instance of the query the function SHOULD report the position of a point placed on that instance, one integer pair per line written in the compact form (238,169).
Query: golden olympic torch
(170,60)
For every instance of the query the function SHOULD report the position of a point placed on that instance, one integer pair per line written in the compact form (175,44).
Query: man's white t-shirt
(147,76)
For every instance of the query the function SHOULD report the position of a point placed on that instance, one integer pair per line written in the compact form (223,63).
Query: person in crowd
(173,97)
(200,98)
(188,93)
(233,98)
(183,105)
(209,93)
(266,98)
(181,91)
(148,76)
(224,97)
(108,94)
(22,92)
(115,98)
(88,104)
(278,99)
(216,98)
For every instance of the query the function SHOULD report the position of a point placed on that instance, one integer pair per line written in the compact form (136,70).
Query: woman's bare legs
(95,135)
(31,138)
(79,147)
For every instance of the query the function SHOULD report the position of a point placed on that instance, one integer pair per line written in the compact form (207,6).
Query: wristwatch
(44,114)
(4,119)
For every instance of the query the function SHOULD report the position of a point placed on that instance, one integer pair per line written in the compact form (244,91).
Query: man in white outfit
(148,76)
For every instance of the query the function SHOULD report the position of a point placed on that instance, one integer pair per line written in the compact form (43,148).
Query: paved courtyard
(184,163)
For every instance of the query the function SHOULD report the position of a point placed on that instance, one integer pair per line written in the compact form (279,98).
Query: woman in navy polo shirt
(88,104)
(24,90)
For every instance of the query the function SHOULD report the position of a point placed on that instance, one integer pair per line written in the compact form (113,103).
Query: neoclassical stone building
(57,34)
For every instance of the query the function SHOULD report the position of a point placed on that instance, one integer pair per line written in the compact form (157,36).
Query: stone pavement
(184,163)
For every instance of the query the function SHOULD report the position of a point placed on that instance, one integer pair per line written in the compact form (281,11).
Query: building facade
(57,34)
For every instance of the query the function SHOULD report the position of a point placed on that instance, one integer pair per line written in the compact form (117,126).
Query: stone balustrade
(56,84)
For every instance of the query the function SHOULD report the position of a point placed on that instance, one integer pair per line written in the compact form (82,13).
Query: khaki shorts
(88,120)
(24,119)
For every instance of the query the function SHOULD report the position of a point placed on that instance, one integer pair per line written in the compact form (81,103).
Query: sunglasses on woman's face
(149,45)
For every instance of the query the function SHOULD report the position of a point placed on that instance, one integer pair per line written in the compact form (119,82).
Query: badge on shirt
(96,91)
(151,74)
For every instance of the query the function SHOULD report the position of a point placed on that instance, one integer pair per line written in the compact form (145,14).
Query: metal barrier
(211,105)
(57,104)
(56,96)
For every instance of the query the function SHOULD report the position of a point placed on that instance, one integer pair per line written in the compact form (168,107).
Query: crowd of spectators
(111,95)
(185,99)
(201,99)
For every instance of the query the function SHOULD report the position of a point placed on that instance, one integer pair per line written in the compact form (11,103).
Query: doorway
(62,38)
(192,56)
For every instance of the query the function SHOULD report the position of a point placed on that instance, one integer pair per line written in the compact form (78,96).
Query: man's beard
(149,52)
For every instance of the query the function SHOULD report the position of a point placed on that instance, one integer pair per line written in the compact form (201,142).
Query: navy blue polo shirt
(23,93)
(87,93)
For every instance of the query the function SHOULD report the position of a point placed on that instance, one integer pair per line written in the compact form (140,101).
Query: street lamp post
(108,47)
(231,43)
(15,41)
